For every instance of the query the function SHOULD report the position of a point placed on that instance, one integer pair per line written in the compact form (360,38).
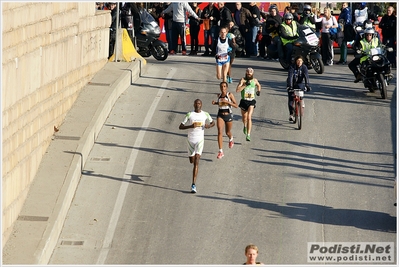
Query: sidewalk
(36,231)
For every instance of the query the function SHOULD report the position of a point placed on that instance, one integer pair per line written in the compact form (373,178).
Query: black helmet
(307,7)
(288,16)
(273,6)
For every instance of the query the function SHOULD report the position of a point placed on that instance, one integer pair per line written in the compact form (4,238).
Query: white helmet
(369,30)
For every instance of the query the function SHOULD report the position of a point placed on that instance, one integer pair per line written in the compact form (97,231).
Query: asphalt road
(332,181)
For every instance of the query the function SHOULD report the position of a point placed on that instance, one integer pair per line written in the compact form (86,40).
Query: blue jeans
(169,39)
(254,44)
(178,29)
(211,33)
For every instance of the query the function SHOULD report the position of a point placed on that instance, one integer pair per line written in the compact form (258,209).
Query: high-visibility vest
(366,46)
(308,23)
(291,32)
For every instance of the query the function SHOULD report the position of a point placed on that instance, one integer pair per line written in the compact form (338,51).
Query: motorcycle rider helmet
(273,7)
(369,30)
(307,8)
(288,16)
(368,24)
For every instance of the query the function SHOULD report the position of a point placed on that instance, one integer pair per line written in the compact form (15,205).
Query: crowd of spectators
(259,29)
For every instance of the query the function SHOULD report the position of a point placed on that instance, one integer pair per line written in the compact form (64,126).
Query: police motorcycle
(307,46)
(376,69)
(147,37)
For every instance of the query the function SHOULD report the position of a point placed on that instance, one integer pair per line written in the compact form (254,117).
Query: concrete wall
(50,52)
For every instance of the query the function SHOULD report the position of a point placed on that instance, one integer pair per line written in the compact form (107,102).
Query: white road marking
(129,169)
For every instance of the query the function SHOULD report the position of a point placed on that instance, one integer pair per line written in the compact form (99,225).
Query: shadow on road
(363,219)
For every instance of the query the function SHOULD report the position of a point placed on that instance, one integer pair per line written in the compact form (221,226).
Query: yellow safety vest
(366,46)
(291,32)
(309,24)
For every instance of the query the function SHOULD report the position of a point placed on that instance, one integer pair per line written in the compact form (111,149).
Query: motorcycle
(147,38)
(376,70)
(307,46)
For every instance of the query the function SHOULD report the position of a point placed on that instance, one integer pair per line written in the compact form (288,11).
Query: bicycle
(299,107)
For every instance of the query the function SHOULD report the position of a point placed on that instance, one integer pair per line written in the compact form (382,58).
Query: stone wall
(51,50)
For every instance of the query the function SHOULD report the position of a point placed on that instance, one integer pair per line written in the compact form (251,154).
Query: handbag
(333,33)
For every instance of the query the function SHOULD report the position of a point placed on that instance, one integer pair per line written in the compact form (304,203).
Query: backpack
(349,33)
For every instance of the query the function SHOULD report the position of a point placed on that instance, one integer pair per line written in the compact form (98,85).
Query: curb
(52,191)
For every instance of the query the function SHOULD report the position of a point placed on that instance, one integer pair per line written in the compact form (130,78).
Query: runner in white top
(195,122)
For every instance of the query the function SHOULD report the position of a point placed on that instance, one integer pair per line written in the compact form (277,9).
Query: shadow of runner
(363,219)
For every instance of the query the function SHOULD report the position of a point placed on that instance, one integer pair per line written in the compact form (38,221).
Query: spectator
(362,13)
(241,18)
(194,28)
(317,15)
(168,19)
(346,18)
(328,22)
(156,11)
(294,14)
(237,41)
(225,15)
(388,27)
(101,6)
(112,29)
(178,25)
(270,36)
(254,23)
(210,16)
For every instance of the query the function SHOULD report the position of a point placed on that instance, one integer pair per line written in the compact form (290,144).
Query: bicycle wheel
(296,103)
(300,114)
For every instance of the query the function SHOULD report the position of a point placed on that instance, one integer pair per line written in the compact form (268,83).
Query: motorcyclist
(368,42)
(308,18)
(288,34)
(298,78)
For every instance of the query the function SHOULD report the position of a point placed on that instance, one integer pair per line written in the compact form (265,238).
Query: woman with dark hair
(298,78)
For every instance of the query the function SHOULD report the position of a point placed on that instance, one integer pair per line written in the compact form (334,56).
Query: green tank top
(249,91)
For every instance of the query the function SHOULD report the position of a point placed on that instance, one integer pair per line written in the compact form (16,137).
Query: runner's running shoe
(193,188)
(231,144)
(220,155)
(245,130)
(248,137)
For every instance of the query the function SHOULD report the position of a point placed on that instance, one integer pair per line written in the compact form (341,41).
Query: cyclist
(298,78)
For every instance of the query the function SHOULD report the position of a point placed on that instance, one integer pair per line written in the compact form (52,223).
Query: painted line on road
(129,169)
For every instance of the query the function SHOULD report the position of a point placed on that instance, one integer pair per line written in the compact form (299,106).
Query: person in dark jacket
(298,78)
(254,23)
(346,18)
(242,17)
(156,11)
(225,15)
(112,29)
(271,35)
(168,19)
(194,28)
(210,16)
(388,27)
